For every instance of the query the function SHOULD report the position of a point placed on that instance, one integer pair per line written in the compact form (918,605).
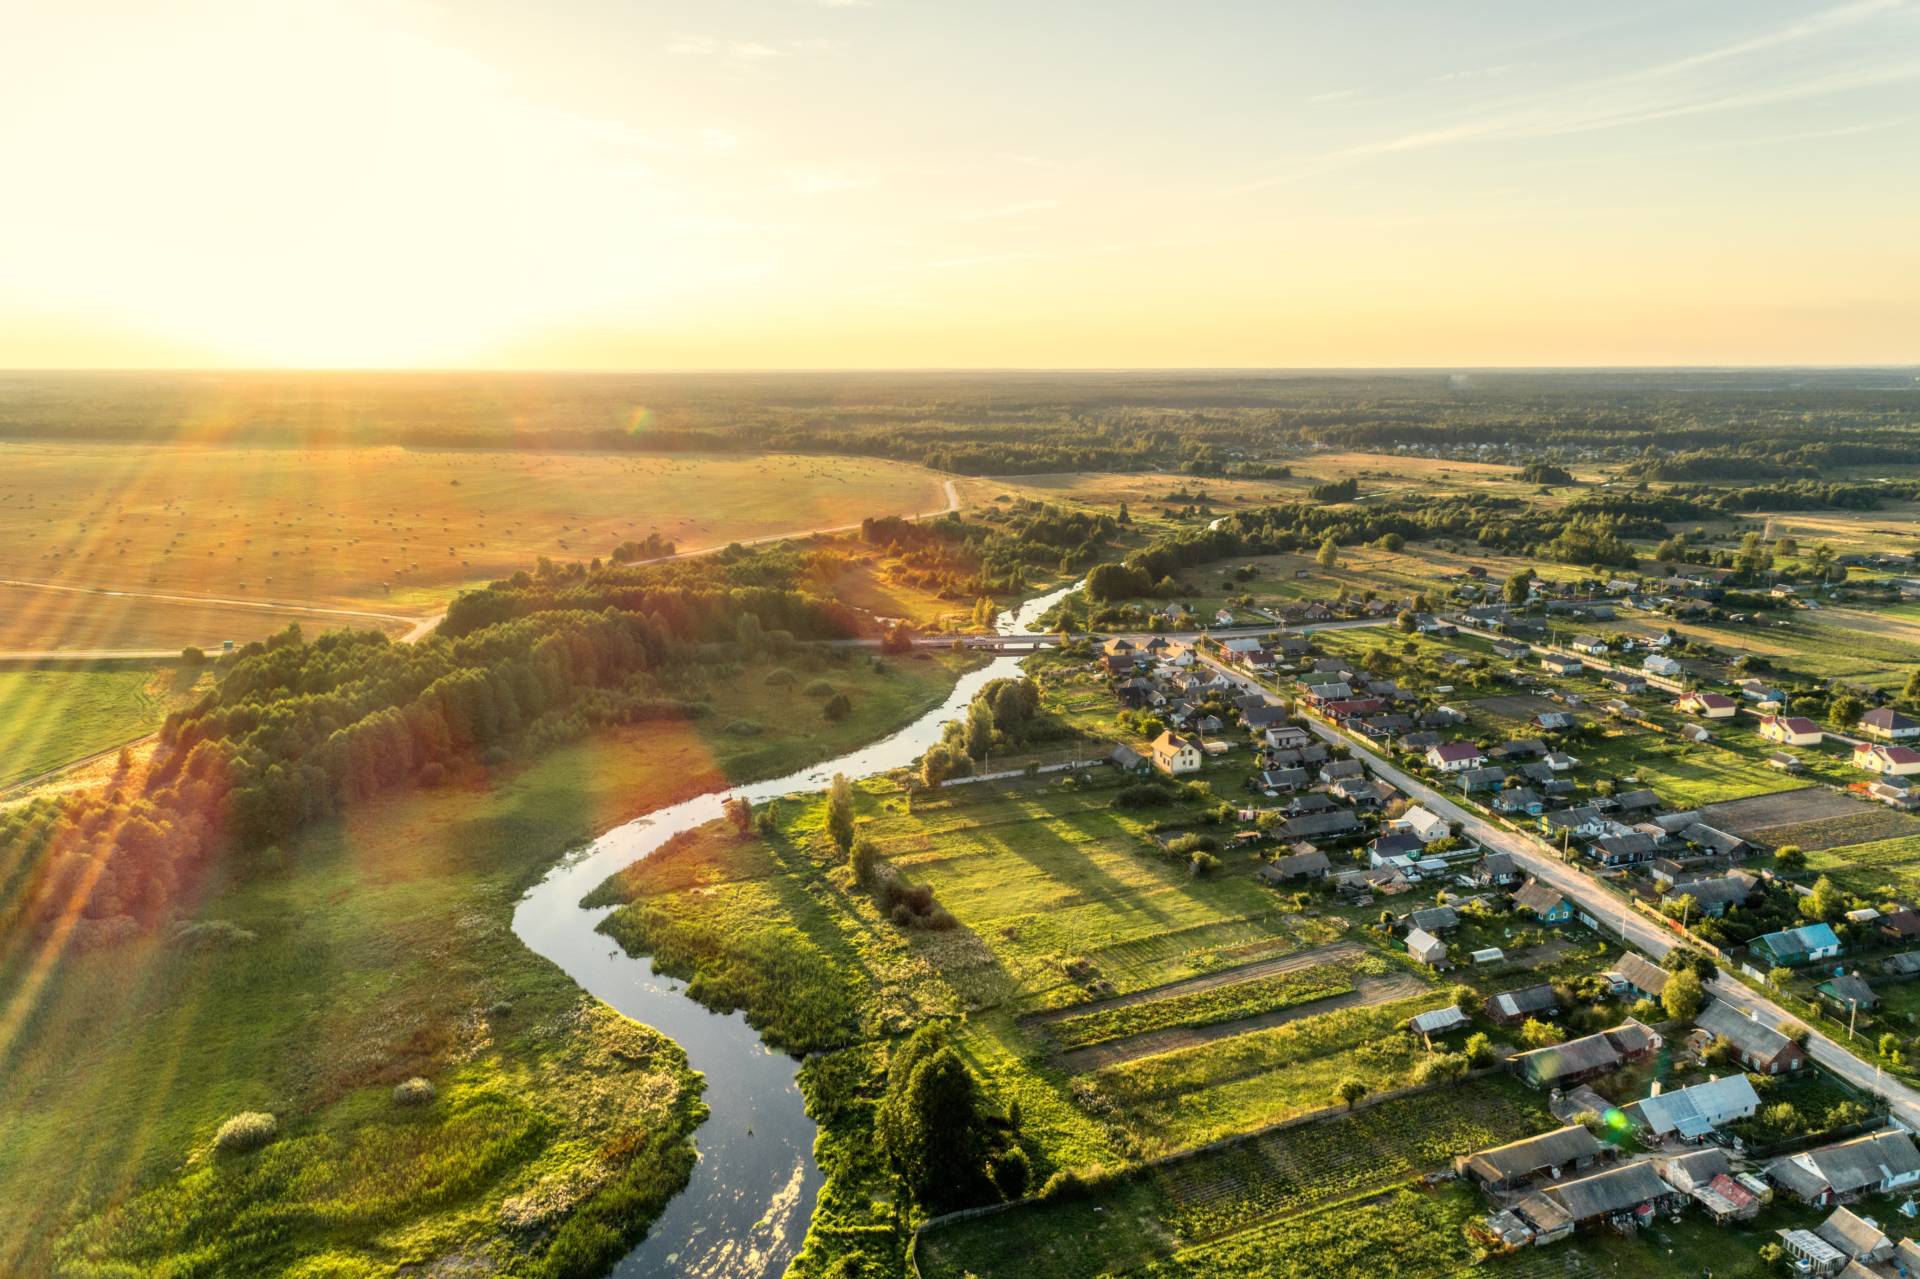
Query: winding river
(745,1211)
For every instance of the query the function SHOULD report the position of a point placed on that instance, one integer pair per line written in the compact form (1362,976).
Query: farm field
(389,530)
(272,995)
(50,717)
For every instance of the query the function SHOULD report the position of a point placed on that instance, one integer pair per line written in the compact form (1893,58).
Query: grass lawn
(53,717)
(1885,869)
(371,951)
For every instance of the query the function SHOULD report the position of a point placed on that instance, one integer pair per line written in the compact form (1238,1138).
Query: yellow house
(1175,754)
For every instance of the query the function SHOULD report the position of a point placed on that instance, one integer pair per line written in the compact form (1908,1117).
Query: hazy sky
(615,183)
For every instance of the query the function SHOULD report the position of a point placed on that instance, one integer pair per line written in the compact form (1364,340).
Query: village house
(1474,780)
(1549,1156)
(1496,870)
(1626,681)
(1543,902)
(1889,725)
(1591,645)
(1640,976)
(1859,1238)
(1434,919)
(1422,824)
(1578,1060)
(1697,1112)
(1519,799)
(1511,1007)
(1714,895)
(1425,948)
(1708,705)
(1707,1177)
(1792,947)
(1560,664)
(1662,665)
(1791,730)
(1175,754)
(1846,993)
(1761,1049)
(1297,866)
(1878,1163)
(1288,737)
(1891,761)
(1455,757)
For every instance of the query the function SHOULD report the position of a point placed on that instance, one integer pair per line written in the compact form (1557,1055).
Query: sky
(897,183)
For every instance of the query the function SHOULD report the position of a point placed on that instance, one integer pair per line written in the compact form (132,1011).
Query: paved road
(1540,860)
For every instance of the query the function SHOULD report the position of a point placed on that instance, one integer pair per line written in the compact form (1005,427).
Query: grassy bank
(52,717)
(368,953)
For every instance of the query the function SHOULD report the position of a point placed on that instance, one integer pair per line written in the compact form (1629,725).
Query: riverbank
(382,951)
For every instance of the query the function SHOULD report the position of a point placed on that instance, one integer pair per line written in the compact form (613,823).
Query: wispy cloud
(822,181)
(1007,210)
(1335,95)
(1475,73)
(1668,90)
(987,259)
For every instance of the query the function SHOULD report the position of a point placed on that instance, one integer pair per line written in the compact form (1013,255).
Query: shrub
(837,708)
(1203,863)
(1142,795)
(820,688)
(249,1130)
(414,1092)
(1010,1170)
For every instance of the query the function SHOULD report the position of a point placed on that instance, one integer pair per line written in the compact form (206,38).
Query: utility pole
(1853,1006)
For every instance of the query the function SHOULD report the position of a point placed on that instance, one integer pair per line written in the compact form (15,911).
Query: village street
(1541,861)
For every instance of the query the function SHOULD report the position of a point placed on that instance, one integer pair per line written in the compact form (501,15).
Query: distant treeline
(1681,426)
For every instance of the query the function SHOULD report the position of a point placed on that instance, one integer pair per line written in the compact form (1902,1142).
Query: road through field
(1541,861)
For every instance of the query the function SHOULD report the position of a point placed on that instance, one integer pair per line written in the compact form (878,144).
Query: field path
(1365,993)
(418,628)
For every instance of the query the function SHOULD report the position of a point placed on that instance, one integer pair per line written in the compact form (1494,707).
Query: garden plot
(1275,1002)
(1812,817)
(1515,706)
(1240,1192)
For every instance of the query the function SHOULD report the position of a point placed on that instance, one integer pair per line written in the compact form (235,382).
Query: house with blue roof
(1793,947)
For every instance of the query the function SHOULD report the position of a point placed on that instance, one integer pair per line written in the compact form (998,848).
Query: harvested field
(1762,817)
(1521,706)
(383,528)
(1877,823)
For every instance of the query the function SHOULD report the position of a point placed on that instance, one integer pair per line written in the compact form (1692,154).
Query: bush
(1142,795)
(820,688)
(414,1092)
(837,708)
(1010,1170)
(1203,863)
(247,1131)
